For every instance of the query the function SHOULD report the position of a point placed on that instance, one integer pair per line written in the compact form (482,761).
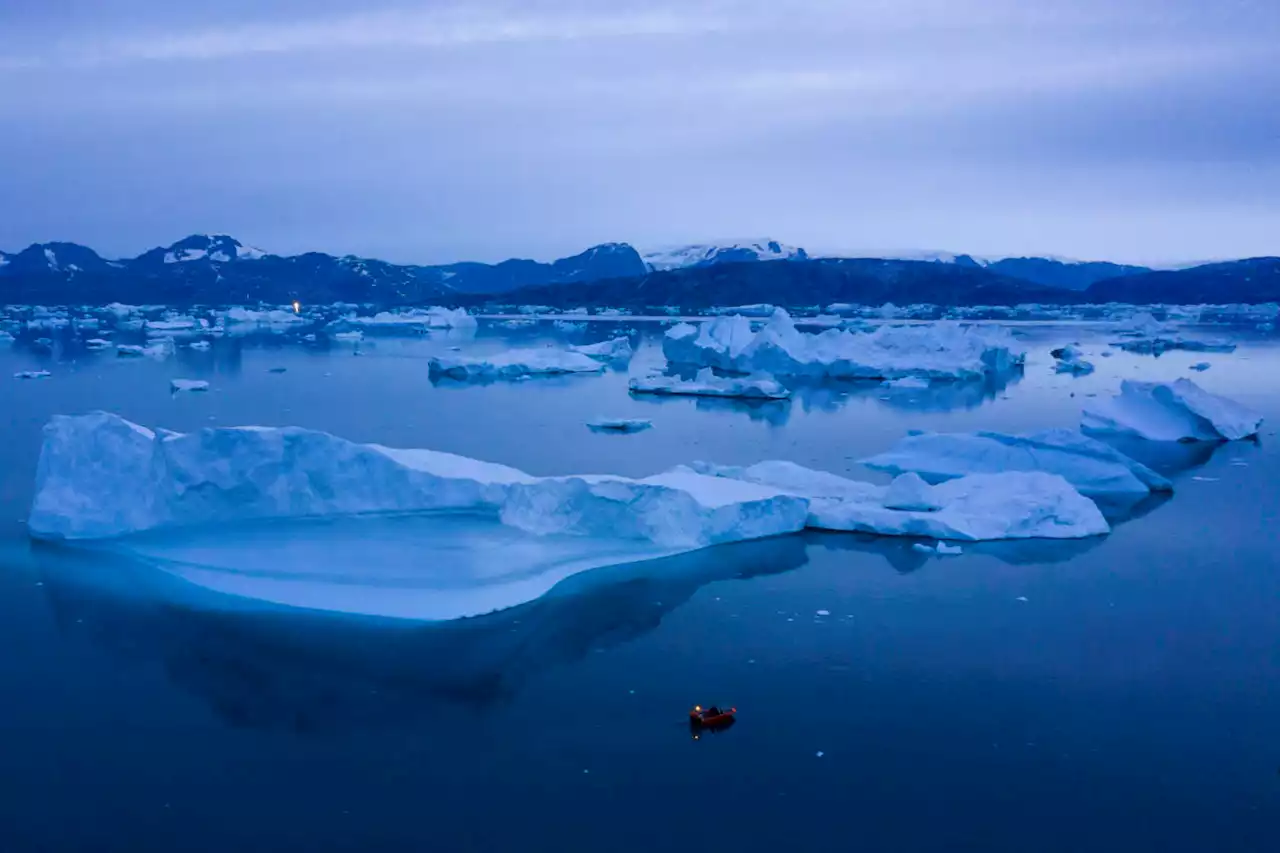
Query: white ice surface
(188,385)
(31,374)
(426,318)
(707,384)
(1010,505)
(616,349)
(514,364)
(1174,411)
(1092,467)
(944,351)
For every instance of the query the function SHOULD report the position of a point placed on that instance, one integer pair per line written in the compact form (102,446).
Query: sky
(426,132)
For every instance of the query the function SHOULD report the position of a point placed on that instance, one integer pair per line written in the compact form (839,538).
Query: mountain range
(220,270)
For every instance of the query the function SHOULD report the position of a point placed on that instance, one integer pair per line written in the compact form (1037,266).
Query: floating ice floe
(424,318)
(102,476)
(275,317)
(906,383)
(1147,335)
(514,364)
(1201,366)
(199,345)
(942,549)
(159,349)
(944,351)
(1175,411)
(616,349)
(31,374)
(620,424)
(188,385)
(1092,467)
(1009,505)
(354,336)
(1071,360)
(569,326)
(97,343)
(707,384)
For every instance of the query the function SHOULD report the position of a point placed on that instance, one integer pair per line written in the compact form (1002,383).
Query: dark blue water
(1131,702)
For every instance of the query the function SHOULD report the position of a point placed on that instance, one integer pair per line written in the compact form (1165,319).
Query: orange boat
(711,717)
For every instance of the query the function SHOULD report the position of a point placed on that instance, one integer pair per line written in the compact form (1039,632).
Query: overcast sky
(1137,130)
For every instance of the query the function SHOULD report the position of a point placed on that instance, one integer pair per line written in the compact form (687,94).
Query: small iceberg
(32,374)
(906,383)
(1201,366)
(979,507)
(178,385)
(940,351)
(614,350)
(1146,335)
(1175,411)
(422,318)
(97,343)
(942,549)
(160,349)
(353,336)
(1095,469)
(199,345)
(707,384)
(620,424)
(514,364)
(1071,360)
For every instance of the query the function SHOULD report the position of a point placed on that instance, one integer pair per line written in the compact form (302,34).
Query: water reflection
(307,672)
(900,554)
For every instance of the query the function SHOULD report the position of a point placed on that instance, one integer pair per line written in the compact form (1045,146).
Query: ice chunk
(620,424)
(1092,467)
(1010,505)
(31,374)
(949,550)
(1201,366)
(354,336)
(188,385)
(160,349)
(424,318)
(707,384)
(1071,360)
(911,493)
(199,345)
(276,317)
(1176,411)
(569,326)
(514,364)
(616,349)
(97,343)
(936,351)
(102,476)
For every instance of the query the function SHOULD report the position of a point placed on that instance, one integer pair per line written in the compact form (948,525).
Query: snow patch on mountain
(707,254)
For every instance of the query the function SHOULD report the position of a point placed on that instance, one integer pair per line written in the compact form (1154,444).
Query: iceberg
(177,385)
(978,507)
(514,364)
(423,318)
(620,424)
(97,343)
(1093,468)
(1071,360)
(615,349)
(707,384)
(354,336)
(160,349)
(199,345)
(906,383)
(101,476)
(943,351)
(275,317)
(1176,411)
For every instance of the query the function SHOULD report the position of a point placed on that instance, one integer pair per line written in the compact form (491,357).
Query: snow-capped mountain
(57,259)
(708,254)
(217,248)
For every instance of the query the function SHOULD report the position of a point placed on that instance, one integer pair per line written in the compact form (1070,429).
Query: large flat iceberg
(101,476)
(420,318)
(514,364)
(945,351)
(707,384)
(1174,411)
(980,507)
(1092,467)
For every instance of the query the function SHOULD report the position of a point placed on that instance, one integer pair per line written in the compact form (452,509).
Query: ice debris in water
(514,364)
(31,374)
(616,349)
(1008,505)
(620,424)
(97,343)
(943,350)
(707,384)
(422,318)
(1149,336)
(1201,366)
(199,345)
(906,383)
(159,349)
(1173,411)
(1071,360)
(1094,468)
(188,385)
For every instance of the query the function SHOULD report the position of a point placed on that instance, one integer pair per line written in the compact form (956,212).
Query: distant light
(297,306)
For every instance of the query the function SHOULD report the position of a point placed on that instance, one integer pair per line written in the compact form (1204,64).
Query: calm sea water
(1115,694)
